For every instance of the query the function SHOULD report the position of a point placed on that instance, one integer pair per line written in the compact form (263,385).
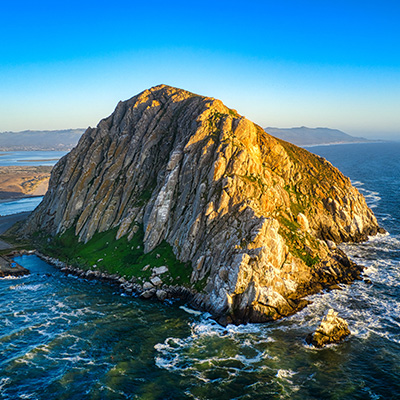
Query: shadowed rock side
(251,213)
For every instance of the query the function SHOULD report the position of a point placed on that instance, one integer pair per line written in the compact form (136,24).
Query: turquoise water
(66,338)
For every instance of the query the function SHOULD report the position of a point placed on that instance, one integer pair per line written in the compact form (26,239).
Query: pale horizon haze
(280,64)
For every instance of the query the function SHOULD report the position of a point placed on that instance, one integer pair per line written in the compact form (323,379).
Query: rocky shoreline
(152,289)
(332,329)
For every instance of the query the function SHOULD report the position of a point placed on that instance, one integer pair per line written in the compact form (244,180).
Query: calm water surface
(18,206)
(24,158)
(65,338)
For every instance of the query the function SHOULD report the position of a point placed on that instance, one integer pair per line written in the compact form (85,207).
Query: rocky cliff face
(255,217)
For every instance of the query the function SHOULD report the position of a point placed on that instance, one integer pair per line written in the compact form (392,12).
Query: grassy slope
(126,258)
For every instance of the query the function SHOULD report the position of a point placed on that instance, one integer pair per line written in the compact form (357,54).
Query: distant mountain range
(65,140)
(303,136)
(62,140)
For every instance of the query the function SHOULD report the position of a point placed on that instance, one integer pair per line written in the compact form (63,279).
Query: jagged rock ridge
(251,213)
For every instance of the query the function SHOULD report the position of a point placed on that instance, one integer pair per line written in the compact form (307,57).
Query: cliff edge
(254,219)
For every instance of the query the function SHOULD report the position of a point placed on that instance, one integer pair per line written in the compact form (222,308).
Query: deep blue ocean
(66,338)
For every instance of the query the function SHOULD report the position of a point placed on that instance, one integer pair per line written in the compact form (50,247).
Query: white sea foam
(284,373)
(190,311)
(231,349)
(27,396)
(12,277)
(357,183)
(369,309)
(371,197)
(3,383)
(120,393)
(24,287)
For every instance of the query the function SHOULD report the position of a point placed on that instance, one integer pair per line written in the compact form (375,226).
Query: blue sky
(287,63)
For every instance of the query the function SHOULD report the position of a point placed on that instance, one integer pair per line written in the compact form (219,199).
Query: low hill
(61,140)
(22,181)
(303,136)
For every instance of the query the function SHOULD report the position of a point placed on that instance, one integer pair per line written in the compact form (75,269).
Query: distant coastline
(304,136)
(58,140)
(342,143)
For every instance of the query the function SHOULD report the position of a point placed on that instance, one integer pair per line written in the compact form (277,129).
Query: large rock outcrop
(332,329)
(251,213)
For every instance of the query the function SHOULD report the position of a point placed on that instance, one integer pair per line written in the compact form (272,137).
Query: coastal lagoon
(24,158)
(67,338)
(18,206)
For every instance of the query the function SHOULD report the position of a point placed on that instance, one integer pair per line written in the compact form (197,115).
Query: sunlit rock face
(332,329)
(251,213)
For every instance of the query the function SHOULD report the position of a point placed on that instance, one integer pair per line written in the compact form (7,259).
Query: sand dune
(22,181)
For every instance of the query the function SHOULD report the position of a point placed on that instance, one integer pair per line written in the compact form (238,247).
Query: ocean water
(21,205)
(66,338)
(23,158)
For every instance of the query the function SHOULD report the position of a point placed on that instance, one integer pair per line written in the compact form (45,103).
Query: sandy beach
(18,182)
(23,181)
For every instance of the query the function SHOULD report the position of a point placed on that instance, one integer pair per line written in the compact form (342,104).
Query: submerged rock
(247,215)
(333,329)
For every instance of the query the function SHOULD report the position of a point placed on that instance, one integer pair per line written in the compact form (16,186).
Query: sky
(279,63)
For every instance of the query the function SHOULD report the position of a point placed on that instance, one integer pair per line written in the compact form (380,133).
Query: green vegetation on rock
(296,241)
(126,258)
